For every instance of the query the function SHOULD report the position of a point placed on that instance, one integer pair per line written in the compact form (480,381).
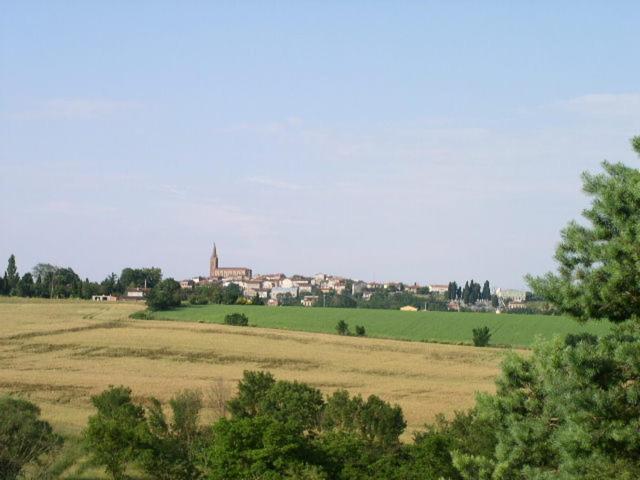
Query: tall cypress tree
(11,276)
(486,291)
(466,293)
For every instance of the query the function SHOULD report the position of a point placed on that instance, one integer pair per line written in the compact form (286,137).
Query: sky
(391,141)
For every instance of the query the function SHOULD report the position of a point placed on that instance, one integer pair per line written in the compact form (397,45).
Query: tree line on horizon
(50,281)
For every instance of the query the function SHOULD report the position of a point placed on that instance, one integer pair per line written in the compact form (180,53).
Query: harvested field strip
(61,331)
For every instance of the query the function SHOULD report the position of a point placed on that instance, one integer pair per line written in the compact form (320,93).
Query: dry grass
(59,353)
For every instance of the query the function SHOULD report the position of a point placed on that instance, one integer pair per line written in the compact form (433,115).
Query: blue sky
(412,141)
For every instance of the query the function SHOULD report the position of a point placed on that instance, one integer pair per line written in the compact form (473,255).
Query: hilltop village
(322,289)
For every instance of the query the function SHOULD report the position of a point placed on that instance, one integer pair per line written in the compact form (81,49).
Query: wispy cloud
(605,104)
(74,208)
(275,183)
(276,127)
(77,108)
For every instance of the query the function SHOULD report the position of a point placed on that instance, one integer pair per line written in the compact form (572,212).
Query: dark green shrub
(360,331)
(342,328)
(481,336)
(237,319)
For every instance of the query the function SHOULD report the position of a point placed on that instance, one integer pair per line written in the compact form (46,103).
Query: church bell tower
(213,263)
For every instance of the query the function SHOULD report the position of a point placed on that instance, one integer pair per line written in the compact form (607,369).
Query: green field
(447,327)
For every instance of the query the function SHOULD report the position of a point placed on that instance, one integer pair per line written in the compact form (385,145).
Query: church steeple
(213,263)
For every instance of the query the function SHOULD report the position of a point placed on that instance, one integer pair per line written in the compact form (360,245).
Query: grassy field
(447,327)
(59,353)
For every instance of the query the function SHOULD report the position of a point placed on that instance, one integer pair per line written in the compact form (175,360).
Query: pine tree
(599,275)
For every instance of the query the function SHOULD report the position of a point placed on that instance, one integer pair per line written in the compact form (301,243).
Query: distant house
(454,305)
(286,283)
(103,298)
(513,295)
(281,291)
(136,294)
(358,287)
(310,300)
(187,284)
(439,288)
(408,308)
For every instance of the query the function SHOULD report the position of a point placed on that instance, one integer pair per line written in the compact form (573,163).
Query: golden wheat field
(59,353)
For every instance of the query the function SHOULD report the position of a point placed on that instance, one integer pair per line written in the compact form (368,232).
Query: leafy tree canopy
(165,295)
(24,437)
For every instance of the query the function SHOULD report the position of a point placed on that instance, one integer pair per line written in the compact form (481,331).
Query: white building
(513,295)
(439,288)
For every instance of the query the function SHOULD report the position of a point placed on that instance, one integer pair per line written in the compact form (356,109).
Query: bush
(342,328)
(360,331)
(24,438)
(481,336)
(237,319)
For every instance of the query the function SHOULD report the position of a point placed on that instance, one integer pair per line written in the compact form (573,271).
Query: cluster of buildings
(273,288)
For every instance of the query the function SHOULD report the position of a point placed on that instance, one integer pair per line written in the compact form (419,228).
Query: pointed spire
(215,253)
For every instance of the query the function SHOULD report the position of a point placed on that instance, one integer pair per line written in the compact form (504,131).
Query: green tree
(569,411)
(165,295)
(360,331)
(44,273)
(172,449)
(110,285)
(139,278)
(251,390)
(486,291)
(495,301)
(24,437)
(293,402)
(117,431)
(231,293)
(88,289)
(26,287)
(598,275)
(466,293)
(271,432)
(11,276)
(378,423)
